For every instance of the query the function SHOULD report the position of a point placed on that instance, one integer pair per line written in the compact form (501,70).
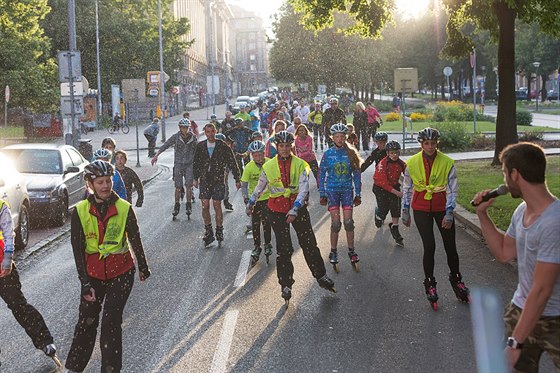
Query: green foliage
(453,136)
(531,136)
(523,117)
(480,141)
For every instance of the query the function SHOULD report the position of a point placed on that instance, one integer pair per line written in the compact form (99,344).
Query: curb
(39,246)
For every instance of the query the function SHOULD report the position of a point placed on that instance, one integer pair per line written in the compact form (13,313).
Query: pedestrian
(210,161)
(360,121)
(130,178)
(374,122)
(104,233)
(339,179)
(387,189)
(151,133)
(184,142)
(10,290)
(287,179)
(331,116)
(104,154)
(430,188)
(532,318)
(249,181)
(303,148)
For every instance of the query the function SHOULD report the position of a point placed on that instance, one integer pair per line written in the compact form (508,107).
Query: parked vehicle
(521,94)
(552,95)
(54,176)
(13,190)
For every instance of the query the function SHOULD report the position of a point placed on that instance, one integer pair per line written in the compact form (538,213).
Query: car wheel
(22,231)
(61,213)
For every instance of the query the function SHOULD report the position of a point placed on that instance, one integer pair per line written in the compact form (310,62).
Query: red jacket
(387,173)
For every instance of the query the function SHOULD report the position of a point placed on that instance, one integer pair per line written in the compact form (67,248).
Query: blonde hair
(354,156)
(360,104)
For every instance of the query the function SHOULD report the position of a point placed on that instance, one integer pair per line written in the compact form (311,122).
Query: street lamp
(99,101)
(161,78)
(537,64)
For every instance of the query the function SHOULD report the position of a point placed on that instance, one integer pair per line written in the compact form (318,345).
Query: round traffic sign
(7,93)
(447,71)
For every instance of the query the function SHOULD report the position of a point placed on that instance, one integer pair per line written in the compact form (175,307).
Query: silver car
(13,191)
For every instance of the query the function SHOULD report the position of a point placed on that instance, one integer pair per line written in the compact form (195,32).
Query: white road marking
(221,355)
(242,270)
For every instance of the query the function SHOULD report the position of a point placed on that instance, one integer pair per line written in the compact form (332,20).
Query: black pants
(260,215)
(425,223)
(114,293)
(284,248)
(151,145)
(387,201)
(26,315)
(242,159)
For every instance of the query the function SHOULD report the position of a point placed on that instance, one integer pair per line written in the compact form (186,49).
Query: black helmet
(283,137)
(238,120)
(428,134)
(393,145)
(97,169)
(381,136)
(213,116)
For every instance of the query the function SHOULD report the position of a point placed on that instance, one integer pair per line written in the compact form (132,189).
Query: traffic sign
(7,94)
(406,78)
(447,71)
(66,105)
(153,92)
(64,73)
(65,89)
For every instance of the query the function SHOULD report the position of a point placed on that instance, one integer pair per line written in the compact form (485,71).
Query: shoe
(378,220)
(188,208)
(353,256)
(267,249)
(461,291)
(208,235)
(395,233)
(286,293)
(219,233)
(49,350)
(333,257)
(326,283)
(228,205)
(256,252)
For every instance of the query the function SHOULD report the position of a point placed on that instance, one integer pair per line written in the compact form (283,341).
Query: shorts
(215,192)
(387,202)
(183,171)
(344,198)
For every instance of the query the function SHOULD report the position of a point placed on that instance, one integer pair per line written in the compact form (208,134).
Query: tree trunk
(506,128)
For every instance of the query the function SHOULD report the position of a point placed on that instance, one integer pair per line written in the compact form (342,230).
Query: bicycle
(120,125)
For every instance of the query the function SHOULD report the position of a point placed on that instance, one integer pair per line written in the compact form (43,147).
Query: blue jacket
(335,174)
(118,185)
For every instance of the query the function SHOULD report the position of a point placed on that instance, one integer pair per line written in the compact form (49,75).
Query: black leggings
(425,223)
(260,215)
(284,249)
(115,293)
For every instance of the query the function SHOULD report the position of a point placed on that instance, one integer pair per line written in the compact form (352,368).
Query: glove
(357,201)
(86,289)
(323,201)
(405,216)
(448,218)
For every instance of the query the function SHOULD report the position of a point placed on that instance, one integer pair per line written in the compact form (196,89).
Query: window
(253,67)
(252,57)
(76,157)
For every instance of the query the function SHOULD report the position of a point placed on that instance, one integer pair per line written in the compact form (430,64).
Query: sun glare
(412,8)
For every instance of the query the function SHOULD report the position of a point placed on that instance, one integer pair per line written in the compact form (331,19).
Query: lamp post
(99,101)
(537,64)
(161,78)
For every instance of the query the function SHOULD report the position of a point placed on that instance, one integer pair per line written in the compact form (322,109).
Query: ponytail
(355,159)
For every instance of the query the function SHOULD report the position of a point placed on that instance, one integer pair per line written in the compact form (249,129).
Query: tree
(24,56)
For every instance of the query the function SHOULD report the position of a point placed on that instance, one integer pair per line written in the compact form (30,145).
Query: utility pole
(161,78)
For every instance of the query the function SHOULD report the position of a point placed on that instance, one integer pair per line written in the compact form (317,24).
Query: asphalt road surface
(202,310)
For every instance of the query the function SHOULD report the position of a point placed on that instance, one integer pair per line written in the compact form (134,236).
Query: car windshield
(35,161)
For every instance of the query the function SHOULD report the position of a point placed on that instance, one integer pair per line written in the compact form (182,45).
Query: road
(203,311)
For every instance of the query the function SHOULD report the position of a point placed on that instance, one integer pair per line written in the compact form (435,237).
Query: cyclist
(287,179)
(130,178)
(339,178)
(118,182)
(117,121)
(249,180)
(184,143)
(104,233)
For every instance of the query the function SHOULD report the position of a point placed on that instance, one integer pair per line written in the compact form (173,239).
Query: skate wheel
(356,267)
(174,218)
(57,361)
(336,267)
(434,306)
(333,289)
(267,260)
(286,303)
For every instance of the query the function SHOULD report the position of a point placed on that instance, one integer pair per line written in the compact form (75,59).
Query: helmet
(393,145)
(213,116)
(184,123)
(238,120)
(256,134)
(381,136)
(339,128)
(221,136)
(98,168)
(295,103)
(101,153)
(256,146)
(428,134)
(334,100)
(283,137)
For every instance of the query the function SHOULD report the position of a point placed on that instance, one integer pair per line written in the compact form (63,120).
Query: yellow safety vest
(438,175)
(114,240)
(272,171)
(251,174)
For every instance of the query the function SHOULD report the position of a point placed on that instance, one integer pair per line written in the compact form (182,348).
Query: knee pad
(349,225)
(336,226)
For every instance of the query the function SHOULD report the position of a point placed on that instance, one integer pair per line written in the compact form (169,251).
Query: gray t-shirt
(538,242)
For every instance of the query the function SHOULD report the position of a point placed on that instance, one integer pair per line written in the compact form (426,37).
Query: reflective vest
(275,185)
(251,174)
(438,174)
(114,239)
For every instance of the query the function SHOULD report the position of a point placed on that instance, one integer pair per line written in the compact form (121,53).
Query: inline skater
(227,205)
(374,121)
(184,143)
(249,180)
(387,188)
(227,124)
(210,161)
(10,290)
(433,201)
(150,133)
(339,177)
(316,118)
(331,116)
(376,156)
(303,148)
(287,179)
(130,178)
(104,234)
(270,150)
(192,123)
(118,182)
(110,144)
(241,137)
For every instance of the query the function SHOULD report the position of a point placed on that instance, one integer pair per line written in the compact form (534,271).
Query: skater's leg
(308,243)
(25,314)
(348,226)
(85,331)
(284,249)
(256,219)
(424,223)
(206,218)
(449,244)
(267,230)
(177,195)
(118,291)
(336,226)
(218,211)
